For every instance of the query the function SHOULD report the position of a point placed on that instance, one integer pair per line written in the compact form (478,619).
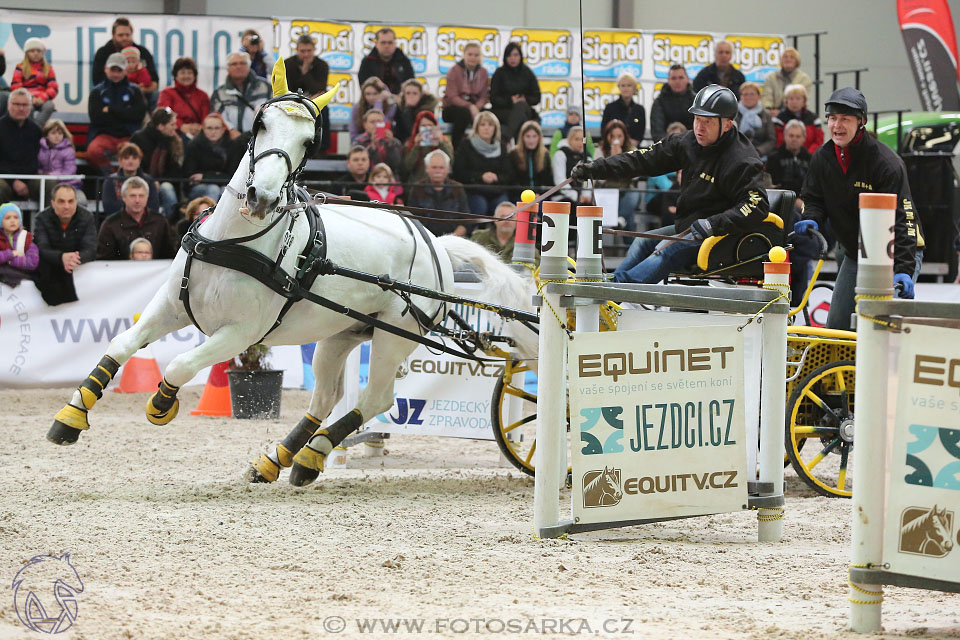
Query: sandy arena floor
(170,543)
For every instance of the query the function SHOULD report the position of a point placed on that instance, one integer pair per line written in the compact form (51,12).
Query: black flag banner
(931,42)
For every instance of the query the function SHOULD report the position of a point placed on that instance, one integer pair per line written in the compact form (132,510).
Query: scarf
(750,118)
(486,149)
(843,154)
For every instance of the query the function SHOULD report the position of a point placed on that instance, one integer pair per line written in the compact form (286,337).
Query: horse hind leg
(156,321)
(329,360)
(386,354)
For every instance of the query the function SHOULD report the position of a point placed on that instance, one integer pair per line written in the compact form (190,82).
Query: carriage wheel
(821,409)
(513,413)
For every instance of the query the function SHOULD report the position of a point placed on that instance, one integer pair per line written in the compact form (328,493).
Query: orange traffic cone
(215,400)
(140,373)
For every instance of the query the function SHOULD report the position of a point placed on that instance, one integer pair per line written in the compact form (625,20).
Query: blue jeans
(209,190)
(628,204)
(485,202)
(168,200)
(645,266)
(842,304)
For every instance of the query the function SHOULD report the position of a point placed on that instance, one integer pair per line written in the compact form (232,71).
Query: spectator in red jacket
(137,73)
(122,37)
(383,187)
(36,76)
(467,92)
(189,102)
(795,108)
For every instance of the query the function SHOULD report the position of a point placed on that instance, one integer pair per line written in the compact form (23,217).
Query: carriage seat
(727,252)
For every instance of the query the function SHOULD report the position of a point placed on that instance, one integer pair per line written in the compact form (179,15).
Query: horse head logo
(926,532)
(45,593)
(602,488)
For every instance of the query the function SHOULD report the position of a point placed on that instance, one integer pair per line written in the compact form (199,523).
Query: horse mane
(917,523)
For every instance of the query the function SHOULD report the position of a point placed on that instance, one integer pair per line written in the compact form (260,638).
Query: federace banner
(931,41)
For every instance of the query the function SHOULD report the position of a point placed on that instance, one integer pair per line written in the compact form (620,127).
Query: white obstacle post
(874,280)
(551,374)
(776,276)
(589,261)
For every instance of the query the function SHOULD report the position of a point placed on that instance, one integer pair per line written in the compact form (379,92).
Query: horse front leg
(387,352)
(224,344)
(159,319)
(329,360)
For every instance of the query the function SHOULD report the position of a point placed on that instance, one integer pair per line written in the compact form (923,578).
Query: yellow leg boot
(267,467)
(72,419)
(162,407)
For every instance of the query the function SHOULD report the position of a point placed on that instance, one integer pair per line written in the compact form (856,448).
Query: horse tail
(501,284)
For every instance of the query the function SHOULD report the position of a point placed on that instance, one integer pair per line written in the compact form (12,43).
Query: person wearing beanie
(122,37)
(36,75)
(137,74)
(19,256)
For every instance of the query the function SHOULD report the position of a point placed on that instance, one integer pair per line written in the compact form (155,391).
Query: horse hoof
(63,434)
(301,476)
(157,418)
(263,469)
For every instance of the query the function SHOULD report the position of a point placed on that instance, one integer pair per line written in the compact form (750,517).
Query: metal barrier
(559,293)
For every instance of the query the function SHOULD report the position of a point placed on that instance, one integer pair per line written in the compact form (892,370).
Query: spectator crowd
(165,153)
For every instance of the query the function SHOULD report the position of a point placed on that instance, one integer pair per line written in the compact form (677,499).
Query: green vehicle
(920,131)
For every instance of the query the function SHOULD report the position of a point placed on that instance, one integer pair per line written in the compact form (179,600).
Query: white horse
(235,310)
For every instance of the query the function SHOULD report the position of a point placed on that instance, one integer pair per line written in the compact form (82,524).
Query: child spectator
(383,187)
(467,92)
(514,90)
(373,95)
(141,249)
(36,76)
(413,100)
(129,158)
(379,142)
(482,159)
(531,163)
(194,208)
(137,74)
(210,159)
(162,156)
(19,255)
(428,137)
(795,108)
(616,139)
(57,155)
(189,102)
(566,154)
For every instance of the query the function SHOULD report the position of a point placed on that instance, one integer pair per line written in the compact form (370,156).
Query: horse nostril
(252,196)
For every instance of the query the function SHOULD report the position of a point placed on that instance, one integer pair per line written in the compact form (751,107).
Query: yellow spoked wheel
(513,413)
(820,410)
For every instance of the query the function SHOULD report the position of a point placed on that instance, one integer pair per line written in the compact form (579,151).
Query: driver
(722,189)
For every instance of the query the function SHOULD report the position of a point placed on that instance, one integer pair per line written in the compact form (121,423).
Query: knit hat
(131,51)
(34,43)
(7,208)
(116,60)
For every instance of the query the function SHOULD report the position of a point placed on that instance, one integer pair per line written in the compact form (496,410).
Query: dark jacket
(525,172)
(829,194)
(469,165)
(810,120)
(19,145)
(508,81)
(764,139)
(345,185)
(215,160)
(110,196)
(670,107)
(633,115)
(158,159)
(119,230)
(711,75)
(393,73)
(787,171)
(100,61)
(722,183)
(55,284)
(312,82)
(450,198)
(258,62)
(125,113)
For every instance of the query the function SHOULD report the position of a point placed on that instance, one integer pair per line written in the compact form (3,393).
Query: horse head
(939,530)
(612,485)
(45,592)
(284,132)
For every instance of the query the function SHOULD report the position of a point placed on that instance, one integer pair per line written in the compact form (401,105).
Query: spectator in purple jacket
(58,157)
(19,256)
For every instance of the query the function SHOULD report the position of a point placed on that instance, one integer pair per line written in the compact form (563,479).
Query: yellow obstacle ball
(528,196)
(777,254)
(136,318)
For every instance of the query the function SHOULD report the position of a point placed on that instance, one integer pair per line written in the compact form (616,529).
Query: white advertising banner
(922,528)
(43,346)
(657,423)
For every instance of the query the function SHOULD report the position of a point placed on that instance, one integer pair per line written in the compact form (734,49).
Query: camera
(254,40)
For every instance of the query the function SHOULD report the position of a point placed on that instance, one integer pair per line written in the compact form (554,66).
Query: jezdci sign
(657,418)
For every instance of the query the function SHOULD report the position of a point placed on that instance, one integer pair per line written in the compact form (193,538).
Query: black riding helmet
(847,101)
(715,101)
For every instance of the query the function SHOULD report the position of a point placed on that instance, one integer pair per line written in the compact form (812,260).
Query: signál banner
(657,423)
(922,529)
(931,42)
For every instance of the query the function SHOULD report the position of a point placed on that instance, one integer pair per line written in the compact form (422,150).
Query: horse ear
(323,100)
(279,78)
